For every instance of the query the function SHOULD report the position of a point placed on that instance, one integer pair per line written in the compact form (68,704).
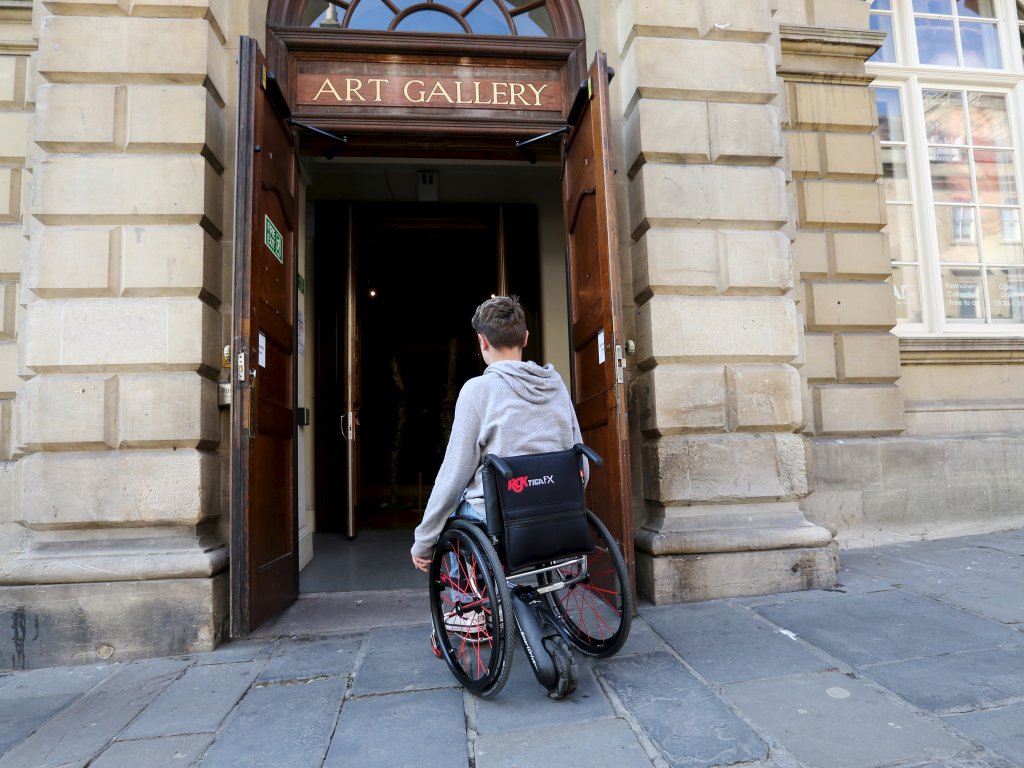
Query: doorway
(400,337)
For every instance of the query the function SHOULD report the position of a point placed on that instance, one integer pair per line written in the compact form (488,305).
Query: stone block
(139,335)
(736,20)
(701,70)
(831,107)
(10,383)
(858,256)
(127,620)
(828,13)
(724,468)
(697,329)
(170,261)
(834,306)
(14,130)
(10,195)
(841,512)
(811,254)
(68,413)
(12,81)
(164,410)
(182,118)
(763,398)
(867,357)
(12,248)
(707,196)
(147,189)
(803,153)
(674,399)
(843,464)
(744,133)
(819,357)
(120,50)
(858,410)
(80,118)
(754,262)
(841,204)
(671,260)
(123,488)
(666,131)
(8,309)
(73,261)
(657,18)
(850,156)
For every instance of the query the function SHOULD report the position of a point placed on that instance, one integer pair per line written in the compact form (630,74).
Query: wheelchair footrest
(550,656)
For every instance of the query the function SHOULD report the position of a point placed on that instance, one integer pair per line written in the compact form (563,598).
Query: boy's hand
(423,563)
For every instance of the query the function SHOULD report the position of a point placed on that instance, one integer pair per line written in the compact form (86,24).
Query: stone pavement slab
(886,626)
(239,650)
(1000,728)
(53,681)
(400,659)
(195,703)
(597,744)
(829,720)
(20,717)
(283,725)
(642,638)
(309,658)
(165,752)
(686,721)
(425,729)
(324,612)
(727,643)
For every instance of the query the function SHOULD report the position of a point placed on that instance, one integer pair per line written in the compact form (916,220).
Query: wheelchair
(542,566)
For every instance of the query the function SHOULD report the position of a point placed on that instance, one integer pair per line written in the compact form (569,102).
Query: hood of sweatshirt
(532,382)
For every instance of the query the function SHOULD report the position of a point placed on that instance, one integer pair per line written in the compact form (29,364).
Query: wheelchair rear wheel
(470,609)
(596,611)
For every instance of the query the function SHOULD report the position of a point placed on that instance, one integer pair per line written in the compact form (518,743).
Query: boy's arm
(461,459)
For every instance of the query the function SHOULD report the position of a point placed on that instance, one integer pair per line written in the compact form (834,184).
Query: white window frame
(911,80)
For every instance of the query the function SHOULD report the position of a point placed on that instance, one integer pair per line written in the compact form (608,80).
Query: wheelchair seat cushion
(543,509)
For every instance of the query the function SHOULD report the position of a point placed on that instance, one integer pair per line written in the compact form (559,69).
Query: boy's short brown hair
(501,321)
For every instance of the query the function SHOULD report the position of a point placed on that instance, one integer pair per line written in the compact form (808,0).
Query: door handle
(347,424)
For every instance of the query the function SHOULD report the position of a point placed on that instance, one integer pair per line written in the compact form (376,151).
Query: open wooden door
(264,535)
(596,304)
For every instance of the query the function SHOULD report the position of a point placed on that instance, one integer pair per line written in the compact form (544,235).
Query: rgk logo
(517,484)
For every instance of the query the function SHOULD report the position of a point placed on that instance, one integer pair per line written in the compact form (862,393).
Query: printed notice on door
(263,350)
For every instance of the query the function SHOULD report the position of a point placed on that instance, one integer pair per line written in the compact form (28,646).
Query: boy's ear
(484,343)
(526,338)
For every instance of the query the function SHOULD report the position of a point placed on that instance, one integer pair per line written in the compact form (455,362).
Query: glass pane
(944,117)
(980,42)
(1001,236)
(983,8)
(933,6)
(881,5)
(894,174)
(313,13)
(900,229)
(994,171)
(370,14)
(887,52)
(990,125)
(962,293)
(487,19)
(936,43)
(430,21)
(535,23)
(951,175)
(905,285)
(890,114)
(955,232)
(1006,292)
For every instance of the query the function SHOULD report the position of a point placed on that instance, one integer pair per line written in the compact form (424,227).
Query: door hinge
(620,364)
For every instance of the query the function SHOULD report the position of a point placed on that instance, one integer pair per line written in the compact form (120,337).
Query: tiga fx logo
(517,484)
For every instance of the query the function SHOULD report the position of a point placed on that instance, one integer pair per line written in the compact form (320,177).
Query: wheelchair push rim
(469,606)
(594,604)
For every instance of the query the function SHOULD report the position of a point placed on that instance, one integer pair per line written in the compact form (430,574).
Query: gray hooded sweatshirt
(513,408)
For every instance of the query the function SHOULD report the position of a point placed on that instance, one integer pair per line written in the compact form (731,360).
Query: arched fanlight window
(516,18)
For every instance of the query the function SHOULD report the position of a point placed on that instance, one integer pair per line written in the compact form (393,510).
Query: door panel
(264,544)
(596,305)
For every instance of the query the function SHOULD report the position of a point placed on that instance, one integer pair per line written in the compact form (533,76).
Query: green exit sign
(272,237)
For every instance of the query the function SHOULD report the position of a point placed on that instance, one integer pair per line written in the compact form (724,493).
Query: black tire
(565,665)
(594,614)
(480,660)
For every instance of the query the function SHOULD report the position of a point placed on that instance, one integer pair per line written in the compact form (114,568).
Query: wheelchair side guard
(550,656)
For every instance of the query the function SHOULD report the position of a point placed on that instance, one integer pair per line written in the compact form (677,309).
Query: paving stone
(956,681)
(83,728)
(887,626)
(829,720)
(167,752)
(426,729)
(642,639)
(523,703)
(599,744)
(239,650)
(21,717)
(688,723)
(280,726)
(53,681)
(725,643)
(400,660)
(983,758)
(197,703)
(1000,728)
(308,658)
